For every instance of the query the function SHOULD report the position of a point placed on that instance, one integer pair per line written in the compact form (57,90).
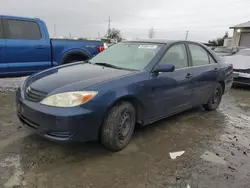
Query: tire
(118,126)
(215,99)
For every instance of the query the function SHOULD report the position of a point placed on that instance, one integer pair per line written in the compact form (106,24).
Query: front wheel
(215,99)
(118,126)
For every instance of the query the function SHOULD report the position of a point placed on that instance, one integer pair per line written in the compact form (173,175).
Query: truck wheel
(118,126)
(215,99)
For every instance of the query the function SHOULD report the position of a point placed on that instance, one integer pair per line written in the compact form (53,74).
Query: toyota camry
(131,82)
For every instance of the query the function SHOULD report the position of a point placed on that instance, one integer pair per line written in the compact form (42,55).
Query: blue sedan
(128,83)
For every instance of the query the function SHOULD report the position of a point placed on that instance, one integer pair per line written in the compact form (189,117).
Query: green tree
(219,41)
(114,34)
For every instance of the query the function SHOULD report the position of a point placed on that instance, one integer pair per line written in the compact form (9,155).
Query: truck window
(18,29)
(1,29)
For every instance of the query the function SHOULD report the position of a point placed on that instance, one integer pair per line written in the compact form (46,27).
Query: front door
(205,73)
(27,50)
(172,90)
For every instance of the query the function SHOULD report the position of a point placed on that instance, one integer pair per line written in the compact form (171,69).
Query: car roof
(18,17)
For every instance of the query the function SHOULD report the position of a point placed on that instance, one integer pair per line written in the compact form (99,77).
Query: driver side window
(176,55)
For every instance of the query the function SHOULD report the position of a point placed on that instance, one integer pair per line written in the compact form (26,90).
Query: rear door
(172,90)
(205,73)
(2,49)
(27,50)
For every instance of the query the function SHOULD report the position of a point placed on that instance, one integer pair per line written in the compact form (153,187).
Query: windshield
(134,56)
(244,52)
(223,50)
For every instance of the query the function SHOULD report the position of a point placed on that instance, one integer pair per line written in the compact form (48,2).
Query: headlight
(69,99)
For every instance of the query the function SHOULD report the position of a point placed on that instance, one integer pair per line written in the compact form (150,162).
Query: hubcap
(124,126)
(216,96)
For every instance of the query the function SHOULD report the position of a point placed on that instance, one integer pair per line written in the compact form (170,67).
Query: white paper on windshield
(148,47)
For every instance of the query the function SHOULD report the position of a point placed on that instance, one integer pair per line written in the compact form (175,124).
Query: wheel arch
(72,53)
(131,99)
(138,105)
(222,83)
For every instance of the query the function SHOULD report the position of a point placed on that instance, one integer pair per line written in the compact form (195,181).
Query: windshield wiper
(111,66)
(108,65)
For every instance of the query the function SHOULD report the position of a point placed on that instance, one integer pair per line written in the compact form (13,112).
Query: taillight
(100,48)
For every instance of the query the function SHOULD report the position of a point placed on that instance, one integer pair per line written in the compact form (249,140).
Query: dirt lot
(216,145)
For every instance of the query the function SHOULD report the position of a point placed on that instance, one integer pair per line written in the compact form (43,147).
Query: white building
(241,36)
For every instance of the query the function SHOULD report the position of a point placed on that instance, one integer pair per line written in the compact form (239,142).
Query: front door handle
(40,47)
(188,76)
(215,69)
(1,47)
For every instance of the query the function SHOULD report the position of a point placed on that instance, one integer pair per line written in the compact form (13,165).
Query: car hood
(73,77)
(238,61)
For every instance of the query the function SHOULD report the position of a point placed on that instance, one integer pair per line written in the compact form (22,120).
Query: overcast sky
(205,19)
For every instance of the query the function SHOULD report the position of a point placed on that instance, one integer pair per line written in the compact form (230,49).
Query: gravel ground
(10,84)
(216,145)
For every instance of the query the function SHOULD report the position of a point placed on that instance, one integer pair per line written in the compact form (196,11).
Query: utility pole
(151,33)
(109,29)
(187,35)
(54,30)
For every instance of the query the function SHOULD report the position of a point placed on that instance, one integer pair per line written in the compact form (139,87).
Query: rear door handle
(215,69)
(40,47)
(1,47)
(188,76)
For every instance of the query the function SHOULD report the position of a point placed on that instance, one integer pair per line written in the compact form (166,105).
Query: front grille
(242,70)
(34,95)
(242,80)
(28,122)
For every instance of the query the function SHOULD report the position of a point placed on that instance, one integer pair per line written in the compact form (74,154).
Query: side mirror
(164,68)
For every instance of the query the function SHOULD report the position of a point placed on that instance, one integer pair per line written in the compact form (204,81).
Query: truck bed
(62,47)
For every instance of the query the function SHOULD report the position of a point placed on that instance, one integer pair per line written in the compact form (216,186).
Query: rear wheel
(215,99)
(118,126)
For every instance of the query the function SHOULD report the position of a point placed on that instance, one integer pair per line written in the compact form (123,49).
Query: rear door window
(199,55)
(19,29)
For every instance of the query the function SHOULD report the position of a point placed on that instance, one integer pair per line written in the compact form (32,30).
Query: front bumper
(58,124)
(241,78)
